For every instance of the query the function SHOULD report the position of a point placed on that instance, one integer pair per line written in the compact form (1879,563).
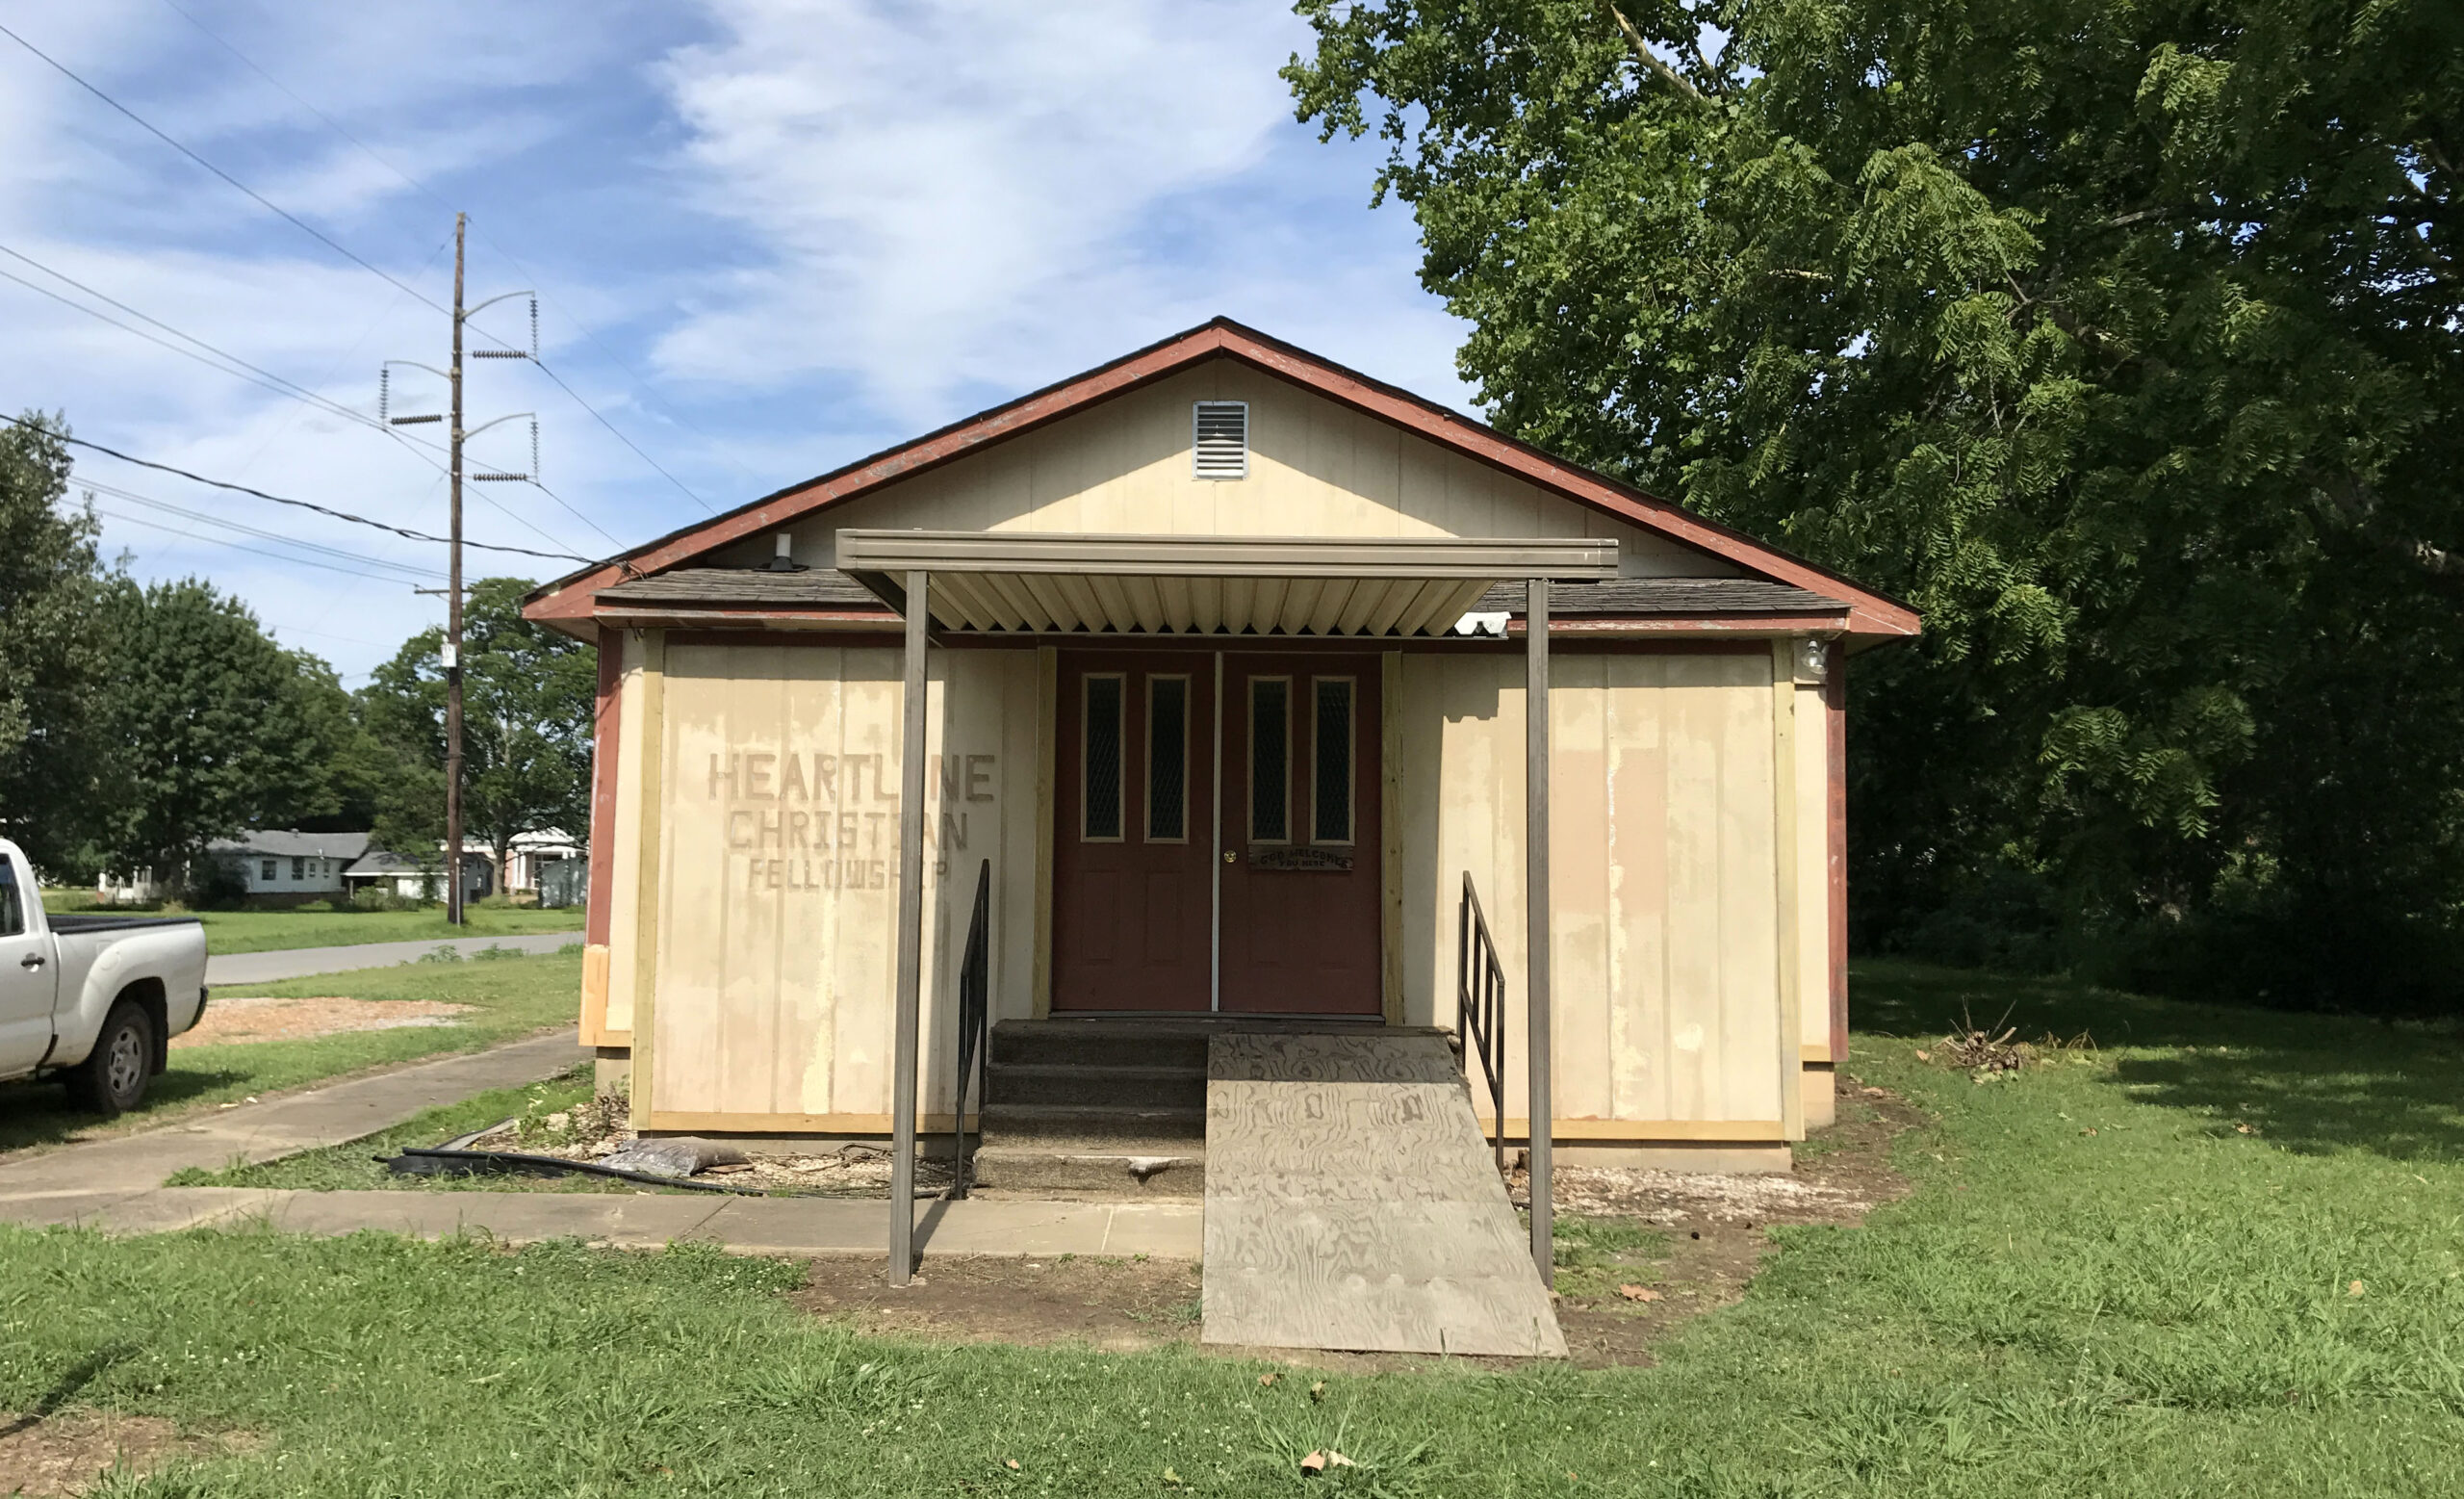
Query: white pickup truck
(93,999)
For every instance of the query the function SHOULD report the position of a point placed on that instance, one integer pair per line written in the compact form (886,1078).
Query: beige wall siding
(1665,863)
(1814,858)
(1316,469)
(624,894)
(778,871)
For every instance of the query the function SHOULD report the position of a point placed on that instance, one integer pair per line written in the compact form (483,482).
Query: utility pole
(456,436)
(453,615)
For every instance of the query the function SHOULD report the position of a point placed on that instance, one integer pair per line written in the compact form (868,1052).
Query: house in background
(275,866)
(549,861)
(383,868)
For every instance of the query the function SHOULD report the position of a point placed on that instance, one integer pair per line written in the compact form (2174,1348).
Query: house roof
(377,862)
(1690,596)
(290,843)
(812,586)
(826,587)
(571,600)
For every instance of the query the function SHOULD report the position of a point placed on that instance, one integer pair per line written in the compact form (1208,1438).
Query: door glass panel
(1330,800)
(13,912)
(1102,767)
(1168,760)
(1269,758)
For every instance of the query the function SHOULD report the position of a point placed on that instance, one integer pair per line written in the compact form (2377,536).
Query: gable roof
(291,843)
(572,598)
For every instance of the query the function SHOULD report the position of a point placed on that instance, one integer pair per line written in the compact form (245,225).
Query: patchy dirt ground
(1107,1302)
(262,1018)
(1709,1230)
(1652,1248)
(70,1452)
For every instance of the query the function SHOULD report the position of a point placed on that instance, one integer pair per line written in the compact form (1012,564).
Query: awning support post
(910,942)
(1535,844)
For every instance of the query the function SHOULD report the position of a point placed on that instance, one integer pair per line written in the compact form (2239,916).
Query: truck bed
(71,923)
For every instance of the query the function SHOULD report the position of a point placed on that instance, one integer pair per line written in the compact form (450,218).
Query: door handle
(32,960)
(1229,857)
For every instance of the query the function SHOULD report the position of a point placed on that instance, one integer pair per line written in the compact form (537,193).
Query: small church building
(1228,668)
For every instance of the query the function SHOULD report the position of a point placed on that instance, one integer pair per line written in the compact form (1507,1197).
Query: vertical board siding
(1814,864)
(1664,861)
(774,957)
(623,892)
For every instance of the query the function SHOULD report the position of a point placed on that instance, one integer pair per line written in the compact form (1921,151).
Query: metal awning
(1036,584)
(1045,584)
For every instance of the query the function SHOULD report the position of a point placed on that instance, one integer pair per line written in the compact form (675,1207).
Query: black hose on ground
(441,1161)
(410,1164)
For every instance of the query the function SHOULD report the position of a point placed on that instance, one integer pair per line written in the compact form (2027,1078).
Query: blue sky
(769,236)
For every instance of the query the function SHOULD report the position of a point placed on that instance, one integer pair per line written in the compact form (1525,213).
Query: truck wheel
(113,1077)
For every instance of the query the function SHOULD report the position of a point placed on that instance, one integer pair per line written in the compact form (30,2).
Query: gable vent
(1221,439)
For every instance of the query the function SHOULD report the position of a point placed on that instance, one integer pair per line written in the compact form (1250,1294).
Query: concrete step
(1073,1084)
(1003,1121)
(1108,1167)
(1100,1043)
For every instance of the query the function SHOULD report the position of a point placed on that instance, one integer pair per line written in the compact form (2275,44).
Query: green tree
(211,723)
(53,649)
(526,701)
(2120,338)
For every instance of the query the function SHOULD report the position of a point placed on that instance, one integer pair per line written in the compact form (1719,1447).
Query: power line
(301,561)
(254,374)
(370,152)
(371,268)
(408,569)
(304,227)
(304,504)
(339,248)
(268,380)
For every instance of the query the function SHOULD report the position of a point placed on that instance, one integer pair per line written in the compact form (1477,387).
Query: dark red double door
(1160,904)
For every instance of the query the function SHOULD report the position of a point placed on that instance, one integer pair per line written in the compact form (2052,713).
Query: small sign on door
(1291,859)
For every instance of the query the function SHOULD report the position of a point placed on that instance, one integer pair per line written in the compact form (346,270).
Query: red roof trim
(1871,613)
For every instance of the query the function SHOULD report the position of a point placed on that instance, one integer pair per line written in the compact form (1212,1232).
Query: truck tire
(113,1077)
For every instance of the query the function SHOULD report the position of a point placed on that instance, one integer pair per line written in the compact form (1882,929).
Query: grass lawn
(2101,1285)
(280,931)
(511,997)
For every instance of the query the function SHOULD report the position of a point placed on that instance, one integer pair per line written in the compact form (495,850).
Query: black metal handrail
(975,1024)
(1479,998)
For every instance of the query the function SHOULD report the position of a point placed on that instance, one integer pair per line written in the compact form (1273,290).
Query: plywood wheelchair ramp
(1353,1204)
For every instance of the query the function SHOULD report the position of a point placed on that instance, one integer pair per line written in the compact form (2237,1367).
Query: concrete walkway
(225,969)
(115,1185)
(251,1132)
(649,1220)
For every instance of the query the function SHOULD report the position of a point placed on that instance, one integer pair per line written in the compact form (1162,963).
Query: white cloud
(828,226)
(970,194)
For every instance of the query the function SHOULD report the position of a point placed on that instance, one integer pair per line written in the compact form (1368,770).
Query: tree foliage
(2119,338)
(53,650)
(527,700)
(215,728)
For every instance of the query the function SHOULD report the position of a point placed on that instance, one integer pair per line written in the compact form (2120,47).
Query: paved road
(264,968)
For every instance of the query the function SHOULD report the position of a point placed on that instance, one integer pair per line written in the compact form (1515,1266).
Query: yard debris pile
(600,1132)
(1670,1197)
(1987,1052)
(250,1017)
